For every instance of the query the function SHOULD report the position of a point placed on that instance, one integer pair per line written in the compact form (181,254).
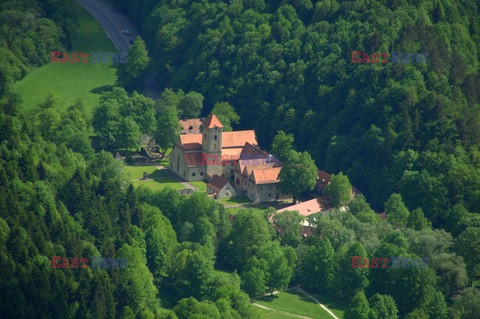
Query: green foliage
(168,128)
(382,307)
(132,74)
(318,266)
(298,174)
(339,190)
(226,114)
(282,144)
(359,307)
(289,225)
(191,308)
(397,213)
(468,245)
(190,106)
(249,231)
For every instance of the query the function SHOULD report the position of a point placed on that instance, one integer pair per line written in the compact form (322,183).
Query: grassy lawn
(335,306)
(222,273)
(294,302)
(164,162)
(70,81)
(135,172)
(267,314)
(202,187)
(235,200)
(160,178)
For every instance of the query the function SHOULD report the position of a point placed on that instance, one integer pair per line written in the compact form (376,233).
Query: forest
(406,135)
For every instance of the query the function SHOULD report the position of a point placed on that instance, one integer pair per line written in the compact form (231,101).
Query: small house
(219,187)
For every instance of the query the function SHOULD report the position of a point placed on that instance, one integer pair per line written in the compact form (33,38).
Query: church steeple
(212,135)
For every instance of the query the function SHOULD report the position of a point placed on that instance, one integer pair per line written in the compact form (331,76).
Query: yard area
(292,302)
(202,187)
(71,81)
(159,178)
(235,200)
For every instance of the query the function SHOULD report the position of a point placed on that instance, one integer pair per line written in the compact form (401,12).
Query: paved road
(113,22)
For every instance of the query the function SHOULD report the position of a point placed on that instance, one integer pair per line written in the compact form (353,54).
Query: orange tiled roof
(248,169)
(217,183)
(309,207)
(235,139)
(212,121)
(191,141)
(238,138)
(266,175)
(193,159)
(191,126)
(231,153)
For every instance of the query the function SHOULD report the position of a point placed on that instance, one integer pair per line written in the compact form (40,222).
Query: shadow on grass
(329,301)
(268,298)
(101,89)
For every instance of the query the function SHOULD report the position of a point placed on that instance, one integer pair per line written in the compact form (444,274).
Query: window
(193,174)
(269,195)
(269,187)
(201,173)
(215,138)
(204,135)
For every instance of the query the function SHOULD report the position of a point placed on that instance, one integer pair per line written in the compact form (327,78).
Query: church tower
(212,132)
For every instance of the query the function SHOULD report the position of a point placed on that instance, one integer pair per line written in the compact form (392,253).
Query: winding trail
(299,289)
(281,311)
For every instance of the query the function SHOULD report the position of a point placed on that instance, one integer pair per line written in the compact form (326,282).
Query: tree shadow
(101,89)
(268,298)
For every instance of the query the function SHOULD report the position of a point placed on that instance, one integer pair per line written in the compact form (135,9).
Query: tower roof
(212,121)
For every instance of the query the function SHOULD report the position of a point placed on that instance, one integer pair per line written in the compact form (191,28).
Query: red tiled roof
(217,183)
(193,159)
(235,139)
(212,121)
(191,126)
(266,175)
(309,207)
(238,138)
(191,142)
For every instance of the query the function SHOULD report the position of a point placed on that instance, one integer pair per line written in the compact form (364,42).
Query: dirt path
(300,290)
(280,311)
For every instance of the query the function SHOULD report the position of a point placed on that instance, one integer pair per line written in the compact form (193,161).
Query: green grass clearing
(70,81)
(295,302)
(202,187)
(135,172)
(160,180)
(274,315)
(235,200)
(335,306)
(223,273)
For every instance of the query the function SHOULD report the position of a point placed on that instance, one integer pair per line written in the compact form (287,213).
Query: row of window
(201,174)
